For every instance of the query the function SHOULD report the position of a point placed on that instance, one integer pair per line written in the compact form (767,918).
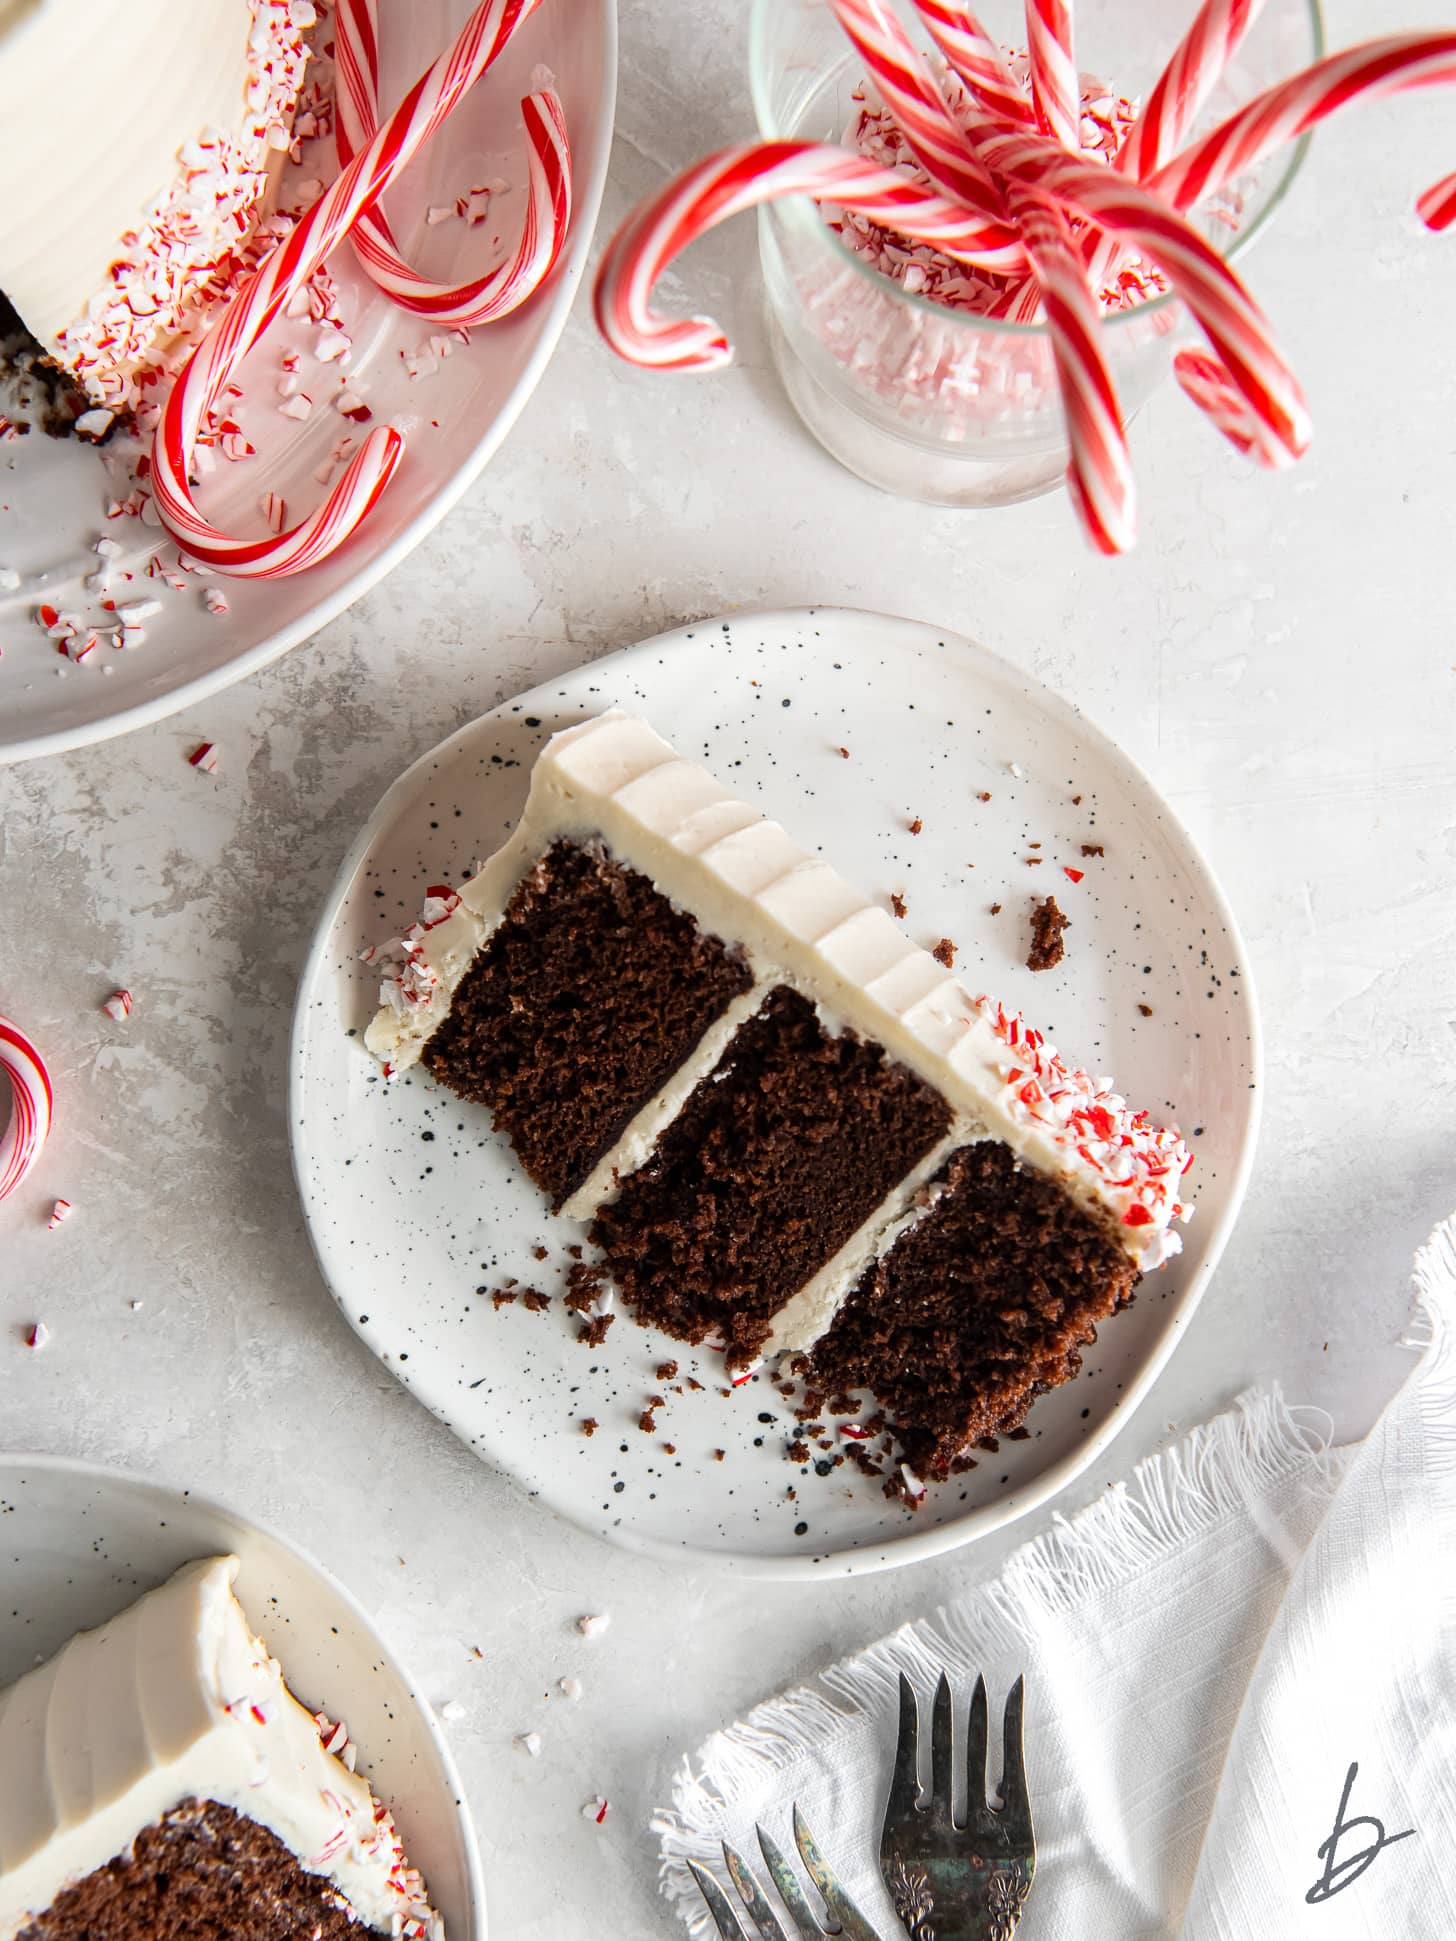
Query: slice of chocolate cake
(787,1127)
(159,1782)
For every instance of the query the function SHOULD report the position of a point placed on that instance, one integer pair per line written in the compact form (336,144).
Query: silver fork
(950,1882)
(844,1918)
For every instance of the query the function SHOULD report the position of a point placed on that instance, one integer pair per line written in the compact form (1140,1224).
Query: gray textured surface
(1278,654)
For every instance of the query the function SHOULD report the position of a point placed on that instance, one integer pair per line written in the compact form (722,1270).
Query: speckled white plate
(417,1209)
(52,492)
(78,1543)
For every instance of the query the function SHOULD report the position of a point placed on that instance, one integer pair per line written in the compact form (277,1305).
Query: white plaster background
(1280,654)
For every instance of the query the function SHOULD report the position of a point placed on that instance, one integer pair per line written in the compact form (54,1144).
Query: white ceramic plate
(417,1210)
(78,1543)
(53,492)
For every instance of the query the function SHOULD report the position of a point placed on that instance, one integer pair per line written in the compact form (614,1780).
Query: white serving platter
(417,1210)
(53,493)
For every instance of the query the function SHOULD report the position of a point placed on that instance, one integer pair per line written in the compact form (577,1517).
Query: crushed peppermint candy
(595,1809)
(452,1711)
(37,1335)
(61,1211)
(569,1688)
(593,1627)
(214,599)
(205,757)
(914,1487)
(118,1005)
(528,1742)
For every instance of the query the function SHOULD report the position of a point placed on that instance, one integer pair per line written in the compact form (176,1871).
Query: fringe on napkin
(1211,1474)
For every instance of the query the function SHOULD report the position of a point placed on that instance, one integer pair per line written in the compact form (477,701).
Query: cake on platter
(132,200)
(158,1780)
(788,1130)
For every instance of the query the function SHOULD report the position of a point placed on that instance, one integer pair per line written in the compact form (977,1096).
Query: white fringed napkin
(1209,1650)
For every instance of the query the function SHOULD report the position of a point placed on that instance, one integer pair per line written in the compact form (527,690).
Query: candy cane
(1056,88)
(427,104)
(977,59)
(1284,112)
(1437,206)
(30,1106)
(480,299)
(1208,384)
(919,107)
(1099,469)
(721,186)
(1194,71)
(1230,319)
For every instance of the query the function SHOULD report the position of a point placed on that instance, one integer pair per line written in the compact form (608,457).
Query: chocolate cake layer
(770,1166)
(204,1873)
(981,1306)
(585,999)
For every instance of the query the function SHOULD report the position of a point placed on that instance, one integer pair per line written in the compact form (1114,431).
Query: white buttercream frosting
(176,1700)
(141,144)
(798,922)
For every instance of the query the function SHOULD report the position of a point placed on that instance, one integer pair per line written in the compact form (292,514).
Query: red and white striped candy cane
(1437,207)
(477,300)
(1284,112)
(719,187)
(30,1106)
(1194,71)
(1056,86)
(1099,469)
(427,104)
(1208,384)
(977,58)
(919,107)
(1231,320)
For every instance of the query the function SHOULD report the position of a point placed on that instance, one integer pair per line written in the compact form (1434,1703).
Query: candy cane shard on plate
(280,277)
(497,291)
(736,179)
(31,1106)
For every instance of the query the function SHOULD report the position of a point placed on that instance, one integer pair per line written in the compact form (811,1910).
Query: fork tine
(1015,1800)
(905,1784)
(726,1921)
(976,1736)
(942,1753)
(790,1892)
(842,1910)
(752,1896)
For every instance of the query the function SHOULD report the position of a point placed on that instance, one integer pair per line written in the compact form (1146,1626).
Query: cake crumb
(1076,801)
(916,826)
(1048,924)
(944,953)
(670,1448)
(845,753)
(666,1370)
(647,1422)
(995,909)
(898,904)
(590,1425)
(719,1454)
(984,796)
(1146,1010)
(535,1300)
(798,1451)
(595,1332)
(538,1253)
(1032,861)
(502,1297)
(1093,849)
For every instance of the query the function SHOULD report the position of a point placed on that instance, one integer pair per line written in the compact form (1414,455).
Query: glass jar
(930,402)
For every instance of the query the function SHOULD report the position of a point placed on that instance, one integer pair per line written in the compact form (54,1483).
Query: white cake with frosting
(165,1745)
(140,145)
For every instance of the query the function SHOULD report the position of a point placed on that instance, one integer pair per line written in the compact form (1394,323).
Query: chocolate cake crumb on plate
(1048,925)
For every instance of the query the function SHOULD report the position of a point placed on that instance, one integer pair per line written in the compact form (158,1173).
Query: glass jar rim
(803,211)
